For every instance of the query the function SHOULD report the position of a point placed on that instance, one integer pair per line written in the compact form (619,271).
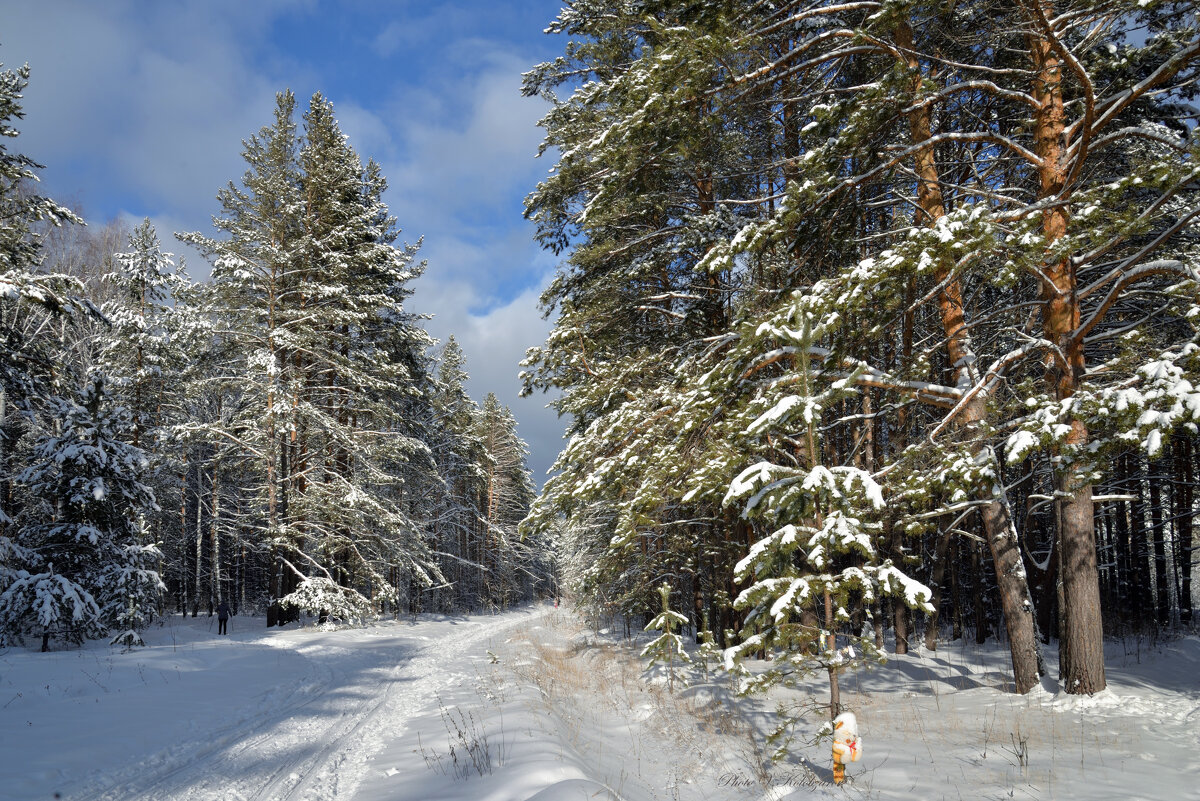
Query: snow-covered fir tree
(90,568)
(815,577)
(26,359)
(667,647)
(28,297)
(505,495)
(137,351)
(454,519)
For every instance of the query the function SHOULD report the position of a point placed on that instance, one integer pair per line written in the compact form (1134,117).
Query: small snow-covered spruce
(709,651)
(818,561)
(668,646)
(86,523)
(134,585)
(49,605)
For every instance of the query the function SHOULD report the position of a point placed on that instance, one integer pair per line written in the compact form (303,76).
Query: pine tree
(910,180)
(506,494)
(311,289)
(252,270)
(639,204)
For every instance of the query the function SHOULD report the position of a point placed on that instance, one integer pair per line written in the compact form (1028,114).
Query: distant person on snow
(222,617)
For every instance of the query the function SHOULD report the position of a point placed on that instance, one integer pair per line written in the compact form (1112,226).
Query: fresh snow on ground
(531,704)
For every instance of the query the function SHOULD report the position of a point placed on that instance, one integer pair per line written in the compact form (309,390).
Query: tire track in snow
(342,764)
(301,751)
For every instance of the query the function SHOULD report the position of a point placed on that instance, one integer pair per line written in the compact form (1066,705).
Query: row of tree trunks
(999,531)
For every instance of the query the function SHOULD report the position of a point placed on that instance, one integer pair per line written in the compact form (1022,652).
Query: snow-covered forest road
(259,714)
(535,705)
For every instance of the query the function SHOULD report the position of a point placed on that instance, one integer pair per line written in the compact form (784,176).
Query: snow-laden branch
(1078,150)
(991,378)
(809,13)
(1146,214)
(795,52)
(660,310)
(871,376)
(967,86)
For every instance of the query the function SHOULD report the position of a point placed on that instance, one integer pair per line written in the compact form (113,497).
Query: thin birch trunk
(214,534)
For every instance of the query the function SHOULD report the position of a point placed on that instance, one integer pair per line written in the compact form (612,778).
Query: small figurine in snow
(847,747)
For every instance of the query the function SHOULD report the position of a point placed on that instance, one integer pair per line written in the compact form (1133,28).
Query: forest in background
(283,437)
(875,312)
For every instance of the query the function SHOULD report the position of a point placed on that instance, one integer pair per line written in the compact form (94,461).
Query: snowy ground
(531,705)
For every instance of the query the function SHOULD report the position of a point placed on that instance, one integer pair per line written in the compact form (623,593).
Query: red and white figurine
(847,747)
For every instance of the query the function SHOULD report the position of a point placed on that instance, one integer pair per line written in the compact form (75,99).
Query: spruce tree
(667,647)
(26,361)
(92,569)
(137,350)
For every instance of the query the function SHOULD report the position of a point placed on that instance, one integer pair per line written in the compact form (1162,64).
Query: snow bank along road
(270,715)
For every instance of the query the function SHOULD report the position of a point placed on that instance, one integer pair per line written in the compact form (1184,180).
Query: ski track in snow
(298,751)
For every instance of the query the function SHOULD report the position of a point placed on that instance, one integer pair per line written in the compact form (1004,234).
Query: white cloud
(494,344)
(121,101)
(466,159)
(468,148)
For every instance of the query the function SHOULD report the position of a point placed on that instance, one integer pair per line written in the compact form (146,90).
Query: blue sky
(138,109)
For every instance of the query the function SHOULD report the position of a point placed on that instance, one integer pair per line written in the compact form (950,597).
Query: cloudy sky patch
(139,108)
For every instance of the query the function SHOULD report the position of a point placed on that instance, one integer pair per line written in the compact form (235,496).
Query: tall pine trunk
(270,460)
(999,531)
(1162,594)
(214,534)
(183,571)
(199,550)
(1081,653)
(937,583)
